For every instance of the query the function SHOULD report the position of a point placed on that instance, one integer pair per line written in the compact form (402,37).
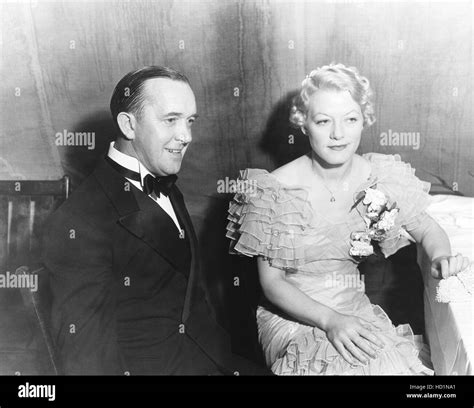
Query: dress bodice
(277,221)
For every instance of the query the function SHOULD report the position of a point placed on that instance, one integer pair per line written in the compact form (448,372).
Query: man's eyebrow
(180,114)
(173,114)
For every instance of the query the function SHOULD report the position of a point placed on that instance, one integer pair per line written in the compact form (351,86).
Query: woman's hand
(353,339)
(443,267)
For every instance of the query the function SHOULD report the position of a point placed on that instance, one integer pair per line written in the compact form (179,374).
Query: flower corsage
(379,220)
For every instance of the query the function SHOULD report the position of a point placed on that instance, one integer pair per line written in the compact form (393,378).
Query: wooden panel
(418,57)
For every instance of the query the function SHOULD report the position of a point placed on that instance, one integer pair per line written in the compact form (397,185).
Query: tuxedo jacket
(126,285)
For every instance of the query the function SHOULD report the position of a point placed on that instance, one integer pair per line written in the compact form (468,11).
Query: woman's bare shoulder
(293,172)
(362,164)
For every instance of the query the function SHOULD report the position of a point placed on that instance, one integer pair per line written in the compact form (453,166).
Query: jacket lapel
(140,215)
(154,226)
(193,281)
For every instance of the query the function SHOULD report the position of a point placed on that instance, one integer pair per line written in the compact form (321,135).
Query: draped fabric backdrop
(245,58)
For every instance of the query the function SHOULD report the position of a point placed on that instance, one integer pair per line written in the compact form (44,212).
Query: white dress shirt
(131,163)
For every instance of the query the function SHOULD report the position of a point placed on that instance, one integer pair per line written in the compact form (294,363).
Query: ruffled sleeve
(397,180)
(273,220)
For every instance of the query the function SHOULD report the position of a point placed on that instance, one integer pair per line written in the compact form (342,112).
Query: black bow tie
(158,184)
(150,184)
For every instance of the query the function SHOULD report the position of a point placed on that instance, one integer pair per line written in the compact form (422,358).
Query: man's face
(163,130)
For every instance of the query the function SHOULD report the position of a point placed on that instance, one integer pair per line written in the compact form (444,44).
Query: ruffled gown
(276,221)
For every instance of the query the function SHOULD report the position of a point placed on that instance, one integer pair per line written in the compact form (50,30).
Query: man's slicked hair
(129,95)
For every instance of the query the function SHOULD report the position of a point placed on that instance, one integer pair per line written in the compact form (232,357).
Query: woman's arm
(436,244)
(350,335)
(290,299)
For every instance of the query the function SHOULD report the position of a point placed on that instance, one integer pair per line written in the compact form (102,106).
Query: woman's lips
(338,148)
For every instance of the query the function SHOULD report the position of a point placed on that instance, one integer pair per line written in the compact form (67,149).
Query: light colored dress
(278,222)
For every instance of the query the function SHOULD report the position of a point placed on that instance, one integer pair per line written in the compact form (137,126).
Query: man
(122,252)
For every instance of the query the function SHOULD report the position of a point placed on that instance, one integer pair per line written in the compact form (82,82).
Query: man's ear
(127,124)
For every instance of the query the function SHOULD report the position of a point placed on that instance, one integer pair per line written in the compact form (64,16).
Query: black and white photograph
(236,192)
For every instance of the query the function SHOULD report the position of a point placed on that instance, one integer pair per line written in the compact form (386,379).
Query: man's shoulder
(87,203)
(84,225)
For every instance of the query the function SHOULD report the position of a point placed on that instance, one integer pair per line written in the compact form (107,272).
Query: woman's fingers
(373,338)
(455,264)
(365,346)
(355,351)
(367,330)
(343,352)
(446,266)
(465,262)
(461,263)
(440,267)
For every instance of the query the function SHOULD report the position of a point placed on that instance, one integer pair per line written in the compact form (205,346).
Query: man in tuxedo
(122,253)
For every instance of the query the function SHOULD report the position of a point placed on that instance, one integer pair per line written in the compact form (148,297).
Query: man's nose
(184,134)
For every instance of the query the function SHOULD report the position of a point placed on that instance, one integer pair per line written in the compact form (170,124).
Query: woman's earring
(303,130)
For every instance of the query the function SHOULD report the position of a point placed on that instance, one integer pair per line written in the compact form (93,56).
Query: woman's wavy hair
(337,77)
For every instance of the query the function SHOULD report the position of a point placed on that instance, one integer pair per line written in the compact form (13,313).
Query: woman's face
(334,125)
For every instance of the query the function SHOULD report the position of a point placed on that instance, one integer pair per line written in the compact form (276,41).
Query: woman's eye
(322,121)
(353,120)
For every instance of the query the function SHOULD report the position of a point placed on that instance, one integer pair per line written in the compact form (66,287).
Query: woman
(313,220)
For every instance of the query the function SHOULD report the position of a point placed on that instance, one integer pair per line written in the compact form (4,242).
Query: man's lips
(174,151)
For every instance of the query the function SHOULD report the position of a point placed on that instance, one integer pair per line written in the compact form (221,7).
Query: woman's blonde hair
(337,77)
